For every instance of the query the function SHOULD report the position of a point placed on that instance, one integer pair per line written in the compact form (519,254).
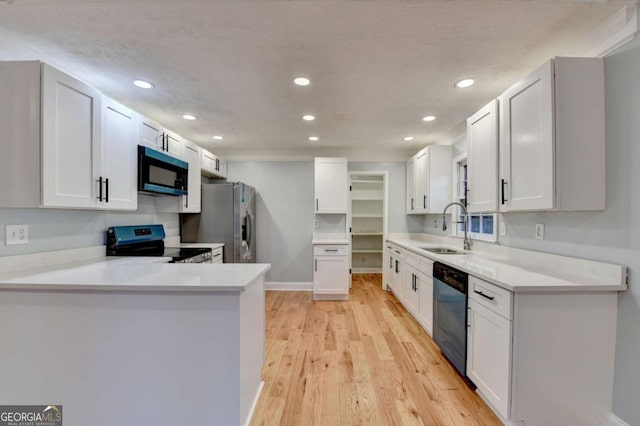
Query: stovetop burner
(148,240)
(181,253)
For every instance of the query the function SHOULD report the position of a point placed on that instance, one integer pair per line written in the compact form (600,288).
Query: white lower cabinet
(418,289)
(528,351)
(424,285)
(331,272)
(412,296)
(387,268)
(217,255)
(397,275)
(489,355)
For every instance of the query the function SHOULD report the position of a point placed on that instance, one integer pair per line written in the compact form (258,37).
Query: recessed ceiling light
(429,118)
(144,84)
(408,138)
(308,117)
(218,137)
(313,138)
(302,81)
(189,117)
(465,82)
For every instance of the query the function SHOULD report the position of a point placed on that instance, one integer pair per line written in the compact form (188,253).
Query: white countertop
(329,238)
(137,274)
(518,278)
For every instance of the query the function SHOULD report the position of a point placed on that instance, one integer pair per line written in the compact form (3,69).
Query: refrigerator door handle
(249,231)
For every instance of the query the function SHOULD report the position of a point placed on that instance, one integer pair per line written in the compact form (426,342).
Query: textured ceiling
(377,67)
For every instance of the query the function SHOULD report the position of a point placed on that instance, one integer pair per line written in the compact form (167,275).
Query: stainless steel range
(148,240)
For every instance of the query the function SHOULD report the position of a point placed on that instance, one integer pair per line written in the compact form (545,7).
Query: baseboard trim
(616,421)
(288,286)
(255,403)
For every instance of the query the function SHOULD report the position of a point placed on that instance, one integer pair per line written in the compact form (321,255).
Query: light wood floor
(360,362)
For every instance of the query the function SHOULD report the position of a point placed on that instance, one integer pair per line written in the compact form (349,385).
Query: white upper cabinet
(552,145)
(212,165)
(119,156)
(71,141)
(429,179)
(173,144)
(411,185)
(331,185)
(190,203)
(482,159)
(422,200)
(156,136)
(150,134)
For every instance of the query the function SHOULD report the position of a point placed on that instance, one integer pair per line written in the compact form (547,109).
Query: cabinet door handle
(503,183)
(316,204)
(100,188)
(484,295)
(397,271)
(316,265)
(106,185)
(390,262)
(411,203)
(330,250)
(424,202)
(186,201)
(397,251)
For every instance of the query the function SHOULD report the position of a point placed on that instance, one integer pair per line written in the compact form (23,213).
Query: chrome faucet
(467,240)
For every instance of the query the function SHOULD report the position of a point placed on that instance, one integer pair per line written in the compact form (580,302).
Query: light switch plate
(16,234)
(539,231)
(315,223)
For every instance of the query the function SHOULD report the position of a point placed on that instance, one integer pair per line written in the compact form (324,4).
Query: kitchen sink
(442,250)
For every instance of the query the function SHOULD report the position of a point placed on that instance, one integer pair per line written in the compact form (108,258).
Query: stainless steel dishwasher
(450,314)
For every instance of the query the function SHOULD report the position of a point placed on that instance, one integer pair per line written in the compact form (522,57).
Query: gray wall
(285,212)
(284,215)
(612,235)
(55,229)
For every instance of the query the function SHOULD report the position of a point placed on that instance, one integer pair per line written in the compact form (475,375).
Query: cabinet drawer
(396,251)
(412,259)
(322,250)
(426,266)
(216,255)
(491,296)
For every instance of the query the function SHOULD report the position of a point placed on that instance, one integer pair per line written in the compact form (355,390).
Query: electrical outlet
(16,234)
(503,228)
(539,231)
(435,223)
(315,223)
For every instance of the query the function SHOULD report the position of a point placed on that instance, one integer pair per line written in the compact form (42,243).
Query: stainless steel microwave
(159,173)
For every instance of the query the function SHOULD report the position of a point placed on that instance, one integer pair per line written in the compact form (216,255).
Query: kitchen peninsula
(134,340)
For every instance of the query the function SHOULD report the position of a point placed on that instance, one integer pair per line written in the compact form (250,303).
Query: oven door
(160,173)
(450,323)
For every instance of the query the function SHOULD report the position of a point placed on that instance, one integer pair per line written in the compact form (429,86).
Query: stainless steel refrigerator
(228,216)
